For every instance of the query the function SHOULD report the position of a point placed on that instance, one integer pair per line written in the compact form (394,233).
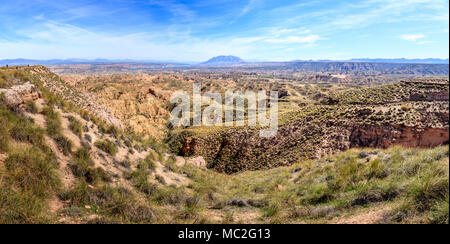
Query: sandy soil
(370,215)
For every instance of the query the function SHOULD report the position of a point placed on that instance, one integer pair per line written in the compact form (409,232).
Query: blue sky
(197,30)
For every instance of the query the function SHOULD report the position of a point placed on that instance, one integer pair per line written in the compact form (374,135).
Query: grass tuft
(107,146)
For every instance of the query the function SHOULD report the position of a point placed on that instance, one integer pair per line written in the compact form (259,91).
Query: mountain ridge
(223,60)
(217,60)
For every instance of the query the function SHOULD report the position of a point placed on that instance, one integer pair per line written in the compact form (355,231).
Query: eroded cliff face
(240,150)
(16,96)
(243,149)
(139,101)
(386,136)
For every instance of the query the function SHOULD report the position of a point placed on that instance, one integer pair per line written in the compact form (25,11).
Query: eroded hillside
(409,113)
(60,163)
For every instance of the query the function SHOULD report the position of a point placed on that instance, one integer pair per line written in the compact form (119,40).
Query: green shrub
(4,135)
(76,126)
(140,180)
(63,144)
(3,81)
(19,207)
(53,121)
(82,155)
(110,202)
(147,163)
(24,131)
(32,170)
(83,167)
(427,190)
(440,212)
(107,146)
(170,195)
(112,130)
(31,107)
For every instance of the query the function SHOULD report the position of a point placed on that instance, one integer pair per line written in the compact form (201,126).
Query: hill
(408,113)
(223,60)
(402,60)
(61,163)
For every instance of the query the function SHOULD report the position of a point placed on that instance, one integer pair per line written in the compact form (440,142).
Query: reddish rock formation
(240,150)
(386,136)
(432,96)
(188,146)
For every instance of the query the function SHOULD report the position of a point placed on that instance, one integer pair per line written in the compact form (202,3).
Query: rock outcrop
(386,136)
(240,150)
(16,96)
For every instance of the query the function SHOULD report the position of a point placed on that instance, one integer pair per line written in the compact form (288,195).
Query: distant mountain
(216,61)
(224,60)
(403,60)
(384,60)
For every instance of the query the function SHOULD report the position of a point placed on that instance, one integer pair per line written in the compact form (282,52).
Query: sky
(196,30)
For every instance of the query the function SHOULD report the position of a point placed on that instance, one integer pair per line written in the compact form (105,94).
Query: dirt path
(39,119)
(371,215)
(2,159)
(247,216)
(170,178)
(55,205)
(67,177)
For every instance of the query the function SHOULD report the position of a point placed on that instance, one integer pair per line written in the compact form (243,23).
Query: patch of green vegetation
(31,107)
(107,146)
(397,92)
(32,175)
(83,167)
(4,138)
(75,126)
(53,120)
(113,204)
(20,129)
(54,130)
(32,170)
(24,131)
(358,178)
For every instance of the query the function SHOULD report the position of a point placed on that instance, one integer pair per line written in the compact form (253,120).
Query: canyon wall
(239,150)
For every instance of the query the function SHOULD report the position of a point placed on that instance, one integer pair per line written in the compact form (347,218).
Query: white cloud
(295,39)
(412,37)
(251,4)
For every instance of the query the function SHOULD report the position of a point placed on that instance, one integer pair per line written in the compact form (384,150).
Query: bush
(31,107)
(82,155)
(440,212)
(427,191)
(75,126)
(63,144)
(112,130)
(53,121)
(18,207)
(140,180)
(24,131)
(147,163)
(107,146)
(4,136)
(171,195)
(32,170)
(82,167)
(112,202)
(3,82)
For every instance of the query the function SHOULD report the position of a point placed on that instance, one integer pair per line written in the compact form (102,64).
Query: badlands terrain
(356,143)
